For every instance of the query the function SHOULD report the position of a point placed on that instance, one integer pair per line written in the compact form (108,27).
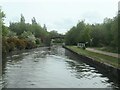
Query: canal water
(50,68)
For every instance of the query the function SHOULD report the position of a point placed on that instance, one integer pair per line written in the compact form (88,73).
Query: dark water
(43,68)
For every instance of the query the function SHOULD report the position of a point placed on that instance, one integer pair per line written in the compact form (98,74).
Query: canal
(50,68)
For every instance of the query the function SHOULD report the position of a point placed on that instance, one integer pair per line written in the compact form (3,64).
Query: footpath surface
(103,52)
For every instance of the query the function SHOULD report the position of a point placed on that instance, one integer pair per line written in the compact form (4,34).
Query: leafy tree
(53,33)
(34,20)
(97,35)
(22,19)
(44,27)
(5,30)
(18,28)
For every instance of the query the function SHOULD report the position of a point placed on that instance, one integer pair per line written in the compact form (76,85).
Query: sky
(59,15)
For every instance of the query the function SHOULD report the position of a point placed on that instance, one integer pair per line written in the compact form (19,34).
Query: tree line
(21,35)
(96,35)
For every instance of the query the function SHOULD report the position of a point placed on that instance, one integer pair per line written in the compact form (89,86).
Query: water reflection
(83,70)
(44,68)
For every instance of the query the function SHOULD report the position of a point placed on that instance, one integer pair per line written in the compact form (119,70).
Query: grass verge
(107,49)
(96,56)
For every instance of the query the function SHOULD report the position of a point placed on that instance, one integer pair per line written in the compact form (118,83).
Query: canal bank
(110,70)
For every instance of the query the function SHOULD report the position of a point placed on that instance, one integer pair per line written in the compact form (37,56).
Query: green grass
(96,56)
(107,49)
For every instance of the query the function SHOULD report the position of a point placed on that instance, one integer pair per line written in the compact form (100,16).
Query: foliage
(11,34)
(34,20)
(21,35)
(5,30)
(29,31)
(28,36)
(53,34)
(5,46)
(38,41)
(30,45)
(97,35)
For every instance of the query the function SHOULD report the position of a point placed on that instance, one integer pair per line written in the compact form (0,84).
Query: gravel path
(103,52)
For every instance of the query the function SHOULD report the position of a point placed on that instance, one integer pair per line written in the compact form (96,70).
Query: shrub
(11,46)
(20,44)
(30,45)
(38,41)
(5,46)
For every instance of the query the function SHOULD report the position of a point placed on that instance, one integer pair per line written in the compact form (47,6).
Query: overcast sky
(59,15)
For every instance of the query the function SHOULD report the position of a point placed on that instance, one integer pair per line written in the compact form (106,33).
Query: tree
(53,34)
(34,20)
(78,33)
(2,16)
(44,27)
(5,30)
(70,38)
(22,19)
(18,27)
(102,35)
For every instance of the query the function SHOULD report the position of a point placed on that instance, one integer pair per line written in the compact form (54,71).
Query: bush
(12,43)
(21,44)
(17,43)
(38,41)
(11,46)
(30,45)
(5,46)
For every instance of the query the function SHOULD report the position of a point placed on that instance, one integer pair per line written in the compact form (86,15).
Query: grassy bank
(107,49)
(96,56)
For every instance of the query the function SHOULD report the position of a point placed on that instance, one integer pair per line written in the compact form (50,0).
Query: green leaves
(104,34)
(78,33)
